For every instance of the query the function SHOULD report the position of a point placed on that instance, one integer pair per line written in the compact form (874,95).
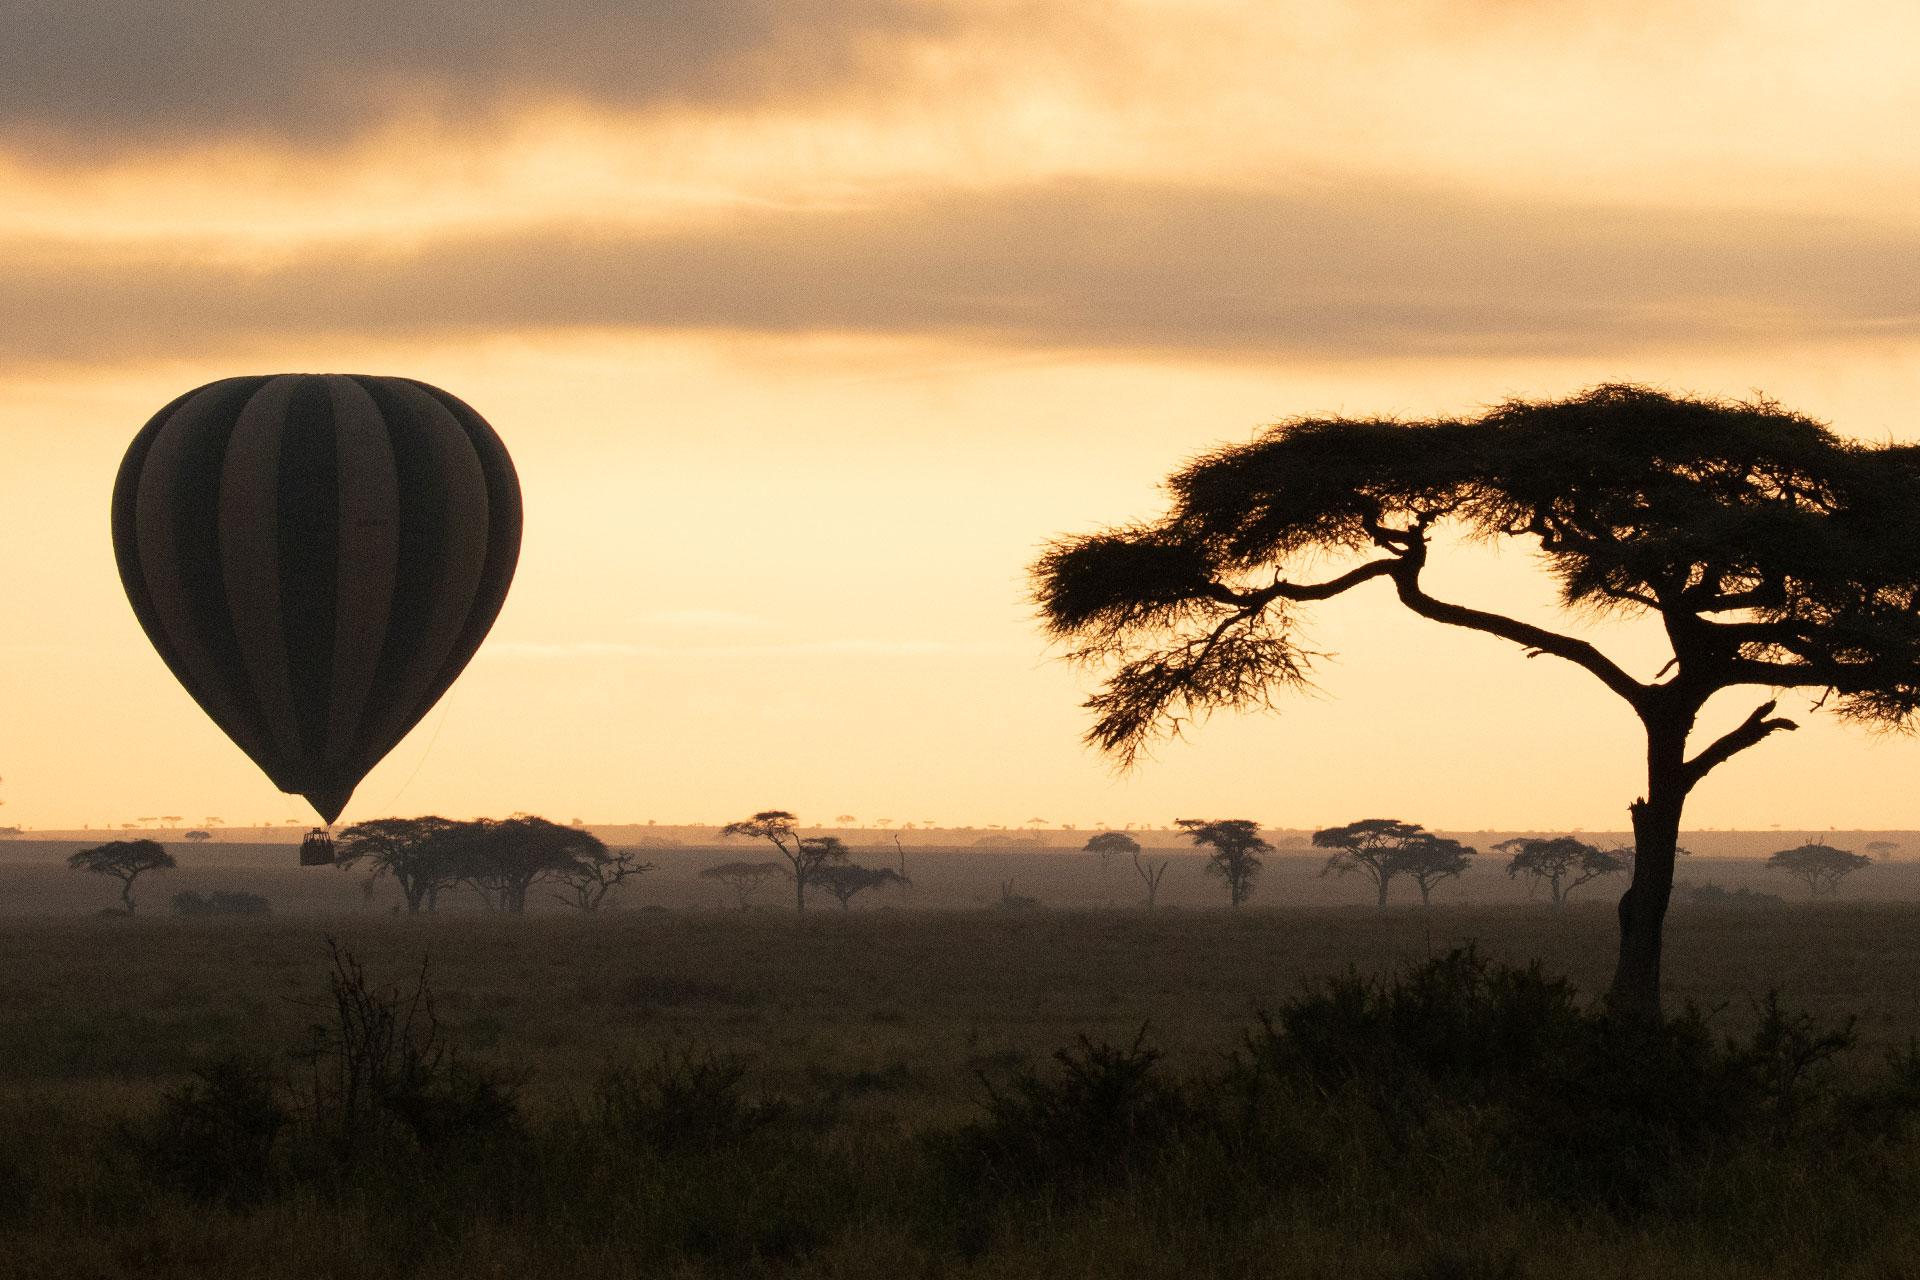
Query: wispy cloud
(1356,271)
(846,647)
(708,620)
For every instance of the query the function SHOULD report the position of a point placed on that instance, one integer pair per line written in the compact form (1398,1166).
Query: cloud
(848,647)
(86,76)
(1357,271)
(708,619)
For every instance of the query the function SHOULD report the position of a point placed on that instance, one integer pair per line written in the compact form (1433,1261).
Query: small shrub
(382,1070)
(1106,1111)
(683,1101)
(1713,895)
(214,1137)
(220,902)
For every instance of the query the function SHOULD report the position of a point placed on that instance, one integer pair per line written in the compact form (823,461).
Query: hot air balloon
(316,557)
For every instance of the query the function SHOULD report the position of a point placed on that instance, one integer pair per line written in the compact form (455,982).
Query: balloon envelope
(316,557)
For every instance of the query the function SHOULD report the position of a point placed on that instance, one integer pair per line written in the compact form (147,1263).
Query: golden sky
(808,321)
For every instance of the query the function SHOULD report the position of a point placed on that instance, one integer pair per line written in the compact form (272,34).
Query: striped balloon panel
(316,558)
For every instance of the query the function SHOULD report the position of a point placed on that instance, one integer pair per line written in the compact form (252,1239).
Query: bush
(215,1136)
(683,1101)
(1713,895)
(220,902)
(1106,1111)
(1581,1106)
(383,1072)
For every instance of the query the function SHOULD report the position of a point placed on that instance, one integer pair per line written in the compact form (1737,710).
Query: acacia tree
(805,855)
(1562,863)
(1428,859)
(847,880)
(1368,847)
(409,850)
(1773,553)
(504,858)
(1151,874)
(1821,867)
(743,878)
(1110,844)
(1236,846)
(593,876)
(126,861)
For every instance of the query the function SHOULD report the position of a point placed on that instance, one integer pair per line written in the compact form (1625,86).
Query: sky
(809,322)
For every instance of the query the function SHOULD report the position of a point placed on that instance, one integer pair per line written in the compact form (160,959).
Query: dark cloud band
(80,77)
(1357,272)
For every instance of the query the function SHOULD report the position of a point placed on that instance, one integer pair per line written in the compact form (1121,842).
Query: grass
(836,1058)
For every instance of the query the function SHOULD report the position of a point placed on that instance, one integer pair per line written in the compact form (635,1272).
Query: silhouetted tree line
(501,859)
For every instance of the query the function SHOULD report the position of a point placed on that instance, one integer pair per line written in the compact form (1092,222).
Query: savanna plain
(951,1085)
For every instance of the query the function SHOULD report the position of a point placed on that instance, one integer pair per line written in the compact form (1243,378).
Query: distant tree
(126,861)
(847,880)
(199,837)
(1368,847)
(846,819)
(411,850)
(1236,846)
(743,878)
(1881,849)
(805,855)
(1562,863)
(1151,874)
(1820,867)
(593,876)
(1771,553)
(1110,844)
(1428,859)
(504,858)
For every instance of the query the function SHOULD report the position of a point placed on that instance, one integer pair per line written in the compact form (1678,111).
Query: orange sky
(808,323)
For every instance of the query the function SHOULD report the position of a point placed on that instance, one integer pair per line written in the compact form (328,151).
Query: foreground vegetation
(909,1095)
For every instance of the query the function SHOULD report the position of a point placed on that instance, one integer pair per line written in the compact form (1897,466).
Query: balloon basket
(317,849)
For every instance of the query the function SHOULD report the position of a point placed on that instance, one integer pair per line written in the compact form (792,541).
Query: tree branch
(1253,601)
(1406,579)
(1751,731)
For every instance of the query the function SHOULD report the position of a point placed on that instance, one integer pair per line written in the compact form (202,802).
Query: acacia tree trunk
(126,893)
(1656,837)
(1382,881)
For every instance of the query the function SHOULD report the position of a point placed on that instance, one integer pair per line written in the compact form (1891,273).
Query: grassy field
(126,1004)
(893,1015)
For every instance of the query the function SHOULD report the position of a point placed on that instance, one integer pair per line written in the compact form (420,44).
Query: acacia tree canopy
(807,856)
(1237,846)
(1427,859)
(1562,863)
(1368,847)
(126,861)
(1107,844)
(1820,866)
(1774,553)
